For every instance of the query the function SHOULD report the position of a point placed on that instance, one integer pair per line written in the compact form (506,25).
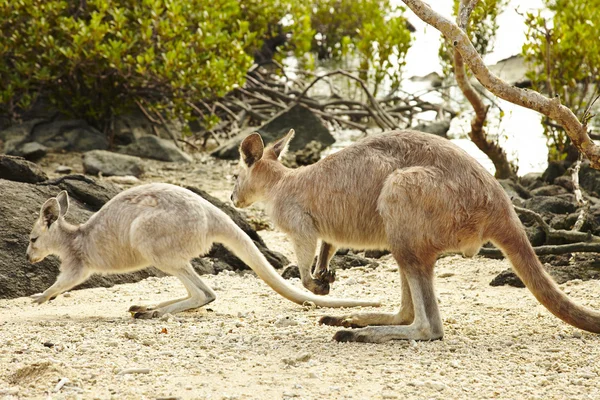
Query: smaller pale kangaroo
(155,224)
(412,193)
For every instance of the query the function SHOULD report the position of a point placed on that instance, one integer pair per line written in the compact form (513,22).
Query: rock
(566,182)
(63,169)
(589,179)
(156,148)
(291,271)
(376,253)
(563,268)
(123,180)
(434,79)
(350,261)
(33,151)
(549,190)
(108,163)
(69,135)
(554,170)
(513,70)
(308,127)
(548,204)
(514,189)
(19,209)
(285,322)
(20,170)
(306,156)
(438,128)
(531,180)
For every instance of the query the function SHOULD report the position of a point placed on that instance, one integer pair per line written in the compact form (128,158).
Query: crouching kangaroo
(156,224)
(414,194)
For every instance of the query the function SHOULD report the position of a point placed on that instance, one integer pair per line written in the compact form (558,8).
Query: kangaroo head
(43,236)
(257,168)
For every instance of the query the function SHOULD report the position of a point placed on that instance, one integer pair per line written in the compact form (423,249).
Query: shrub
(563,55)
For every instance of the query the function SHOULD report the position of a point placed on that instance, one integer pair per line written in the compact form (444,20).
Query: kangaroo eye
(33,239)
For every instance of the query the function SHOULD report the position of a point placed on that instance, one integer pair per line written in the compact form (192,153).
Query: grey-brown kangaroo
(412,193)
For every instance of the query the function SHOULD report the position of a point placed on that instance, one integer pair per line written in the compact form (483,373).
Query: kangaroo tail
(243,247)
(511,238)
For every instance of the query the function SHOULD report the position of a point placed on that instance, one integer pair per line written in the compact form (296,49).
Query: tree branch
(530,99)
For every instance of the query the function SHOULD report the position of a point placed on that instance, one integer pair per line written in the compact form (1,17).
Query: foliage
(482,31)
(98,61)
(563,56)
(373,31)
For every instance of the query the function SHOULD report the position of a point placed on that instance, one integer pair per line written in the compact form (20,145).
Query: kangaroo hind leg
(322,271)
(199,294)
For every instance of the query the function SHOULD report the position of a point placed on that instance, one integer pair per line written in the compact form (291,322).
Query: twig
(548,249)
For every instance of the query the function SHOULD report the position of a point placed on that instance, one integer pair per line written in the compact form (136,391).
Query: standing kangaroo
(412,193)
(156,224)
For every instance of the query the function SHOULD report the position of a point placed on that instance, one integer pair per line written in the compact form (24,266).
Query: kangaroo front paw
(317,287)
(39,298)
(326,275)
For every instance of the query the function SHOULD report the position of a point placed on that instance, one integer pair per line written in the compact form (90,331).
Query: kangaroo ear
(252,149)
(63,202)
(50,211)
(281,146)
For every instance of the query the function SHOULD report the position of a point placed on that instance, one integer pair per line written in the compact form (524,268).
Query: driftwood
(269,89)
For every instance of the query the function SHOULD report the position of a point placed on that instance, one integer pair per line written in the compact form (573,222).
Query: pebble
(128,371)
(285,321)
(60,384)
(63,169)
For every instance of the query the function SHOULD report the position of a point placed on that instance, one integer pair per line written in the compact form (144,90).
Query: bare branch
(530,99)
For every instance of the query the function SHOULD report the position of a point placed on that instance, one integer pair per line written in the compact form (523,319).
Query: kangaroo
(155,224)
(414,194)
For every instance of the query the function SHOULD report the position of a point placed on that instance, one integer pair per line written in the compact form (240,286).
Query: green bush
(101,61)
(97,62)
(563,56)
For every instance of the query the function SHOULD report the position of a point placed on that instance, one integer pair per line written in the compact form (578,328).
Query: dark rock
(536,235)
(565,181)
(156,148)
(531,180)
(306,156)
(63,169)
(438,128)
(547,204)
(33,151)
(19,209)
(20,170)
(108,163)
(308,127)
(291,271)
(554,170)
(434,79)
(70,135)
(351,261)
(562,268)
(549,190)
(513,70)
(514,189)
(589,179)
(376,253)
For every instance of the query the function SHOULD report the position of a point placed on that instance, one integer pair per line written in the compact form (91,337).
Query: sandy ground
(252,344)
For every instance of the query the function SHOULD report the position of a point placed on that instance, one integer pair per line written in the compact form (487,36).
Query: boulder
(550,204)
(31,151)
(514,189)
(531,180)
(156,148)
(589,179)
(108,163)
(549,190)
(438,128)
(20,170)
(308,127)
(565,181)
(19,209)
(554,170)
(68,135)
